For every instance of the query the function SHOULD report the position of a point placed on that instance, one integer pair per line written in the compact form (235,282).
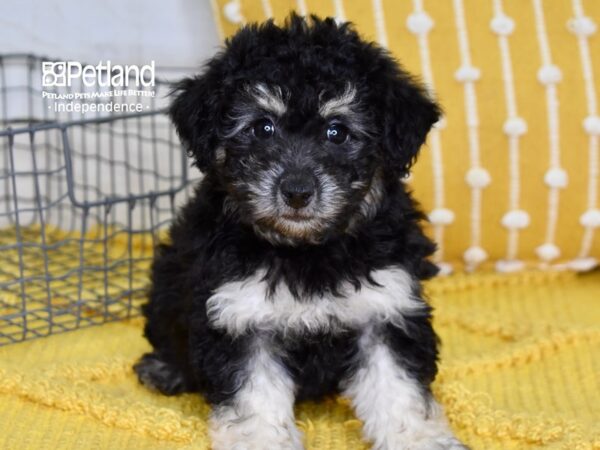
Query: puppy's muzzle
(298,189)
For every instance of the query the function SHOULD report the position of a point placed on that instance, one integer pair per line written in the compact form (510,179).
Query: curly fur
(250,308)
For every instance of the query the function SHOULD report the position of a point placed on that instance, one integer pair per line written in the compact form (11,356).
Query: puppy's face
(301,125)
(299,164)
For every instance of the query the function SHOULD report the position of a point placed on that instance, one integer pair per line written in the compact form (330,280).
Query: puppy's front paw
(257,440)
(440,443)
(253,433)
(412,441)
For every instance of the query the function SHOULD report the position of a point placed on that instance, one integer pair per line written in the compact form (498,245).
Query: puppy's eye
(263,129)
(337,133)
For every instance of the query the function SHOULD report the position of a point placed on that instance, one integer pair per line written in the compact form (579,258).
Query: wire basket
(83,201)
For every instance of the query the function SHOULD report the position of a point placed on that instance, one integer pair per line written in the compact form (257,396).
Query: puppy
(294,272)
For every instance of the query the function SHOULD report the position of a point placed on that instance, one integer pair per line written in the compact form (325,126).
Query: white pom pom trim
(556,178)
(509,265)
(591,125)
(516,219)
(419,23)
(467,73)
(583,264)
(515,126)
(549,74)
(441,123)
(441,216)
(582,26)
(475,255)
(478,177)
(548,252)
(445,268)
(502,25)
(590,218)
(233,12)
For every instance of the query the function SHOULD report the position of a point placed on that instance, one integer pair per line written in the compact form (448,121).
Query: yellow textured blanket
(520,370)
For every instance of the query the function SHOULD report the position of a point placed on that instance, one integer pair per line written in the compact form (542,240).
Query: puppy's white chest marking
(243,305)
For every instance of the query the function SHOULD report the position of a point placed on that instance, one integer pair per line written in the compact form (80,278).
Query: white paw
(254,442)
(254,434)
(409,441)
(248,444)
(440,443)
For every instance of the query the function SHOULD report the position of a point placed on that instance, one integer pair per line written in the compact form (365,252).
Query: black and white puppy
(294,272)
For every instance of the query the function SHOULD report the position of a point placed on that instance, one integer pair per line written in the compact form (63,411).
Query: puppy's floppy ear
(195,111)
(408,115)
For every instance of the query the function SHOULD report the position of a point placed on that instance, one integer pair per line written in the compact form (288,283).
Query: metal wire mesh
(82,204)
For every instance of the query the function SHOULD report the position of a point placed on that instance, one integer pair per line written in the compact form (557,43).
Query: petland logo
(74,87)
(64,73)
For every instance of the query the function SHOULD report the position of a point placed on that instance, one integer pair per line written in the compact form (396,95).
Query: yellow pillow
(511,175)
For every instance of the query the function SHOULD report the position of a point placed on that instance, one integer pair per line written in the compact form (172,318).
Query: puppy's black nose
(297,190)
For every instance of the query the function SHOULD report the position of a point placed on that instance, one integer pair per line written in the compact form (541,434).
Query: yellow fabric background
(531,104)
(519,371)
(519,366)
